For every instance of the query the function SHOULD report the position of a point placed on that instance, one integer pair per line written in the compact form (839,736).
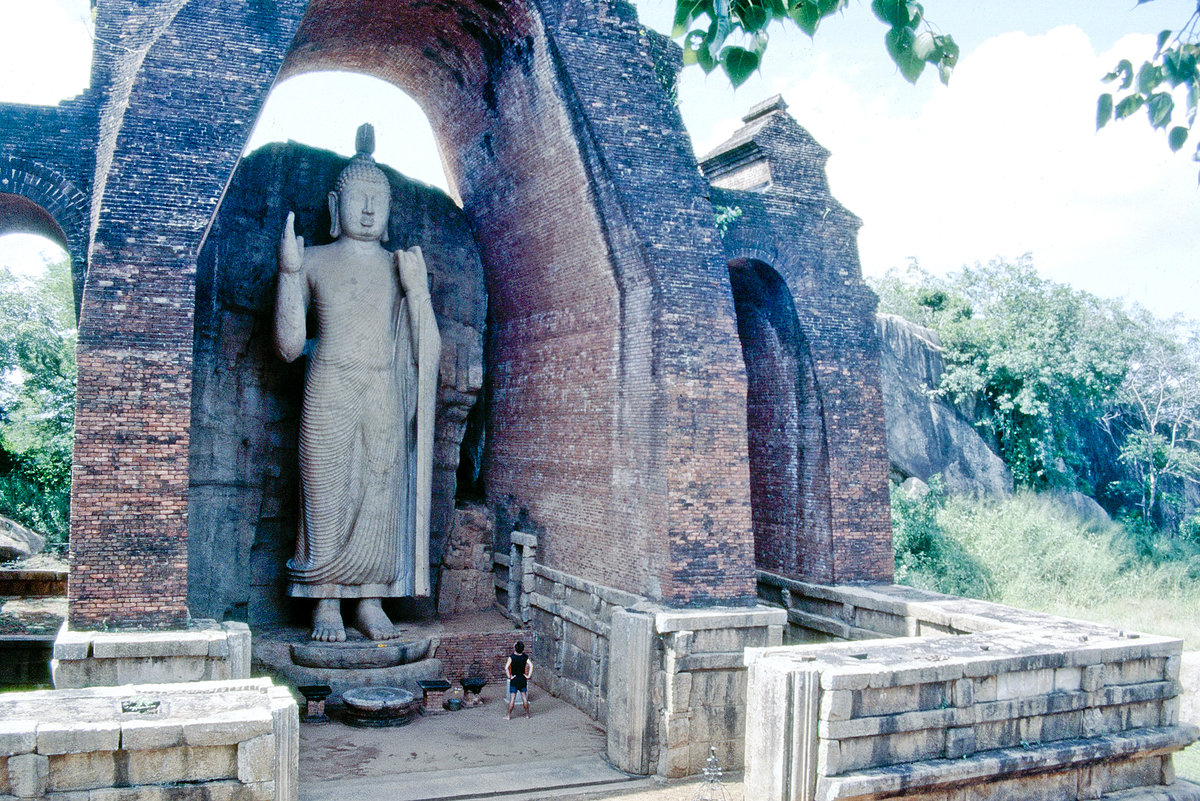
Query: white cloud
(324,109)
(47,53)
(1006,160)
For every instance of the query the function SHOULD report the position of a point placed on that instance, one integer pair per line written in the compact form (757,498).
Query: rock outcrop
(466,583)
(926,434)
(18,542)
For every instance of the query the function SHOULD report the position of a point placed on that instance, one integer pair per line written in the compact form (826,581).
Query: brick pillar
(133,412)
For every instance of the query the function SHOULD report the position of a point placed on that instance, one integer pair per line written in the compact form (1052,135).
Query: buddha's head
(359,202)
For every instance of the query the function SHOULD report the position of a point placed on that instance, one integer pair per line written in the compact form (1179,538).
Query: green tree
(1041,363)
(1172,73)
(37,399)
(732,34)
(1157,420)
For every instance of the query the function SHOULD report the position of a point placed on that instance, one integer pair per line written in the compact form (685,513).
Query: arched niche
(601,260)
(789,463)
(35,199)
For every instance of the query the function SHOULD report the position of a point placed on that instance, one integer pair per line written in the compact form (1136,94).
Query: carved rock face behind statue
(366,429)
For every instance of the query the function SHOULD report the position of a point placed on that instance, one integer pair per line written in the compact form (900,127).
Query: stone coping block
(900,661)
(524,540)
(666,621)
(610,595)
(1006,762)
(206,638)
(136,717)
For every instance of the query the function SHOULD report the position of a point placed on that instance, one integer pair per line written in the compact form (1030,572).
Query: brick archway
(786,431)
(35,199)
(602,260)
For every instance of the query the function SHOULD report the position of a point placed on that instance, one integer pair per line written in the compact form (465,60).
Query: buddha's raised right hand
(291,247)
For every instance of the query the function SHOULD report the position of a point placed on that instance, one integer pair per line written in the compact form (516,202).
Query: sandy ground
(480,737)
(471,737)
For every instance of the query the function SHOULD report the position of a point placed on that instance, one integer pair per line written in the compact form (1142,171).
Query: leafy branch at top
(1173,70)
(707,27)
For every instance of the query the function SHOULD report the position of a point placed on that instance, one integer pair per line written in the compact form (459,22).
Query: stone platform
(448,648)
(220,739)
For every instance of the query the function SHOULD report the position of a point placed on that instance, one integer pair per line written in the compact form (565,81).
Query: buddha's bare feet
(372,621)
(327,621)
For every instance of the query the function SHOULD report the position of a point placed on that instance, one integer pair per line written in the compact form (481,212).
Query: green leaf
(1177,137)
(752,15)
(686,12)
(739,64)
(1163,36)
(1160,106)
(1128,106)
(899,43)
(1149,76)
(1193,100)
(1124,71)
(893,12)
(1104,110)
(807,16)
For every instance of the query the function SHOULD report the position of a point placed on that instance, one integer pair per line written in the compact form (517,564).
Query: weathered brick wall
(169,136)
(483,654)
(800,232)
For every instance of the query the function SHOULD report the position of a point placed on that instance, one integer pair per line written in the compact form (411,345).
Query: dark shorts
(516,685)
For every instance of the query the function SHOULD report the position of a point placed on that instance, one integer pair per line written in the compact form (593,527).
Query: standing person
(518,668)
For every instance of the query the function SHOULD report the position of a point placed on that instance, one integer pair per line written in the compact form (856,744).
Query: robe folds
(366,437)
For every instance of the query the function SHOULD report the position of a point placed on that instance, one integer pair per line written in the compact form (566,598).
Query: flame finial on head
(364,140)
(362,167)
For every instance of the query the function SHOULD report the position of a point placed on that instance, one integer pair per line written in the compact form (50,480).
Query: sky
(1004,161)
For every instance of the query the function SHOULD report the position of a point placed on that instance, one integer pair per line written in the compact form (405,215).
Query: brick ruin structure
(667,407)
(660,378)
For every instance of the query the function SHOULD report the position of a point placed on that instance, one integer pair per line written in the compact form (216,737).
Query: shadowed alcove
(789,465)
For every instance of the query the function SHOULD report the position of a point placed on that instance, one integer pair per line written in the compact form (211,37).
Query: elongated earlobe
(335,223)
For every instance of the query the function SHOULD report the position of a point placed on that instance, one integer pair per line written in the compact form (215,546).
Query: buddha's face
(362,209)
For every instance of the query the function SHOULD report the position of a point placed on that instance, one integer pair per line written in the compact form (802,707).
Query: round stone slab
(357,655)
(379,706)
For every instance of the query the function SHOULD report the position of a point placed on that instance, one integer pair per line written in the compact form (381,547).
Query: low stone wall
(572,618)
(1019,705)
(235,740)
(668,684)
(204,651)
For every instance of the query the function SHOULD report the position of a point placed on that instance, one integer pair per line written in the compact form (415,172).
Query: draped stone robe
(363,530)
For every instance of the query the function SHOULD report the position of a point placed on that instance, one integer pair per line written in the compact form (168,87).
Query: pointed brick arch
(603,265)
(36,199)
(789,453)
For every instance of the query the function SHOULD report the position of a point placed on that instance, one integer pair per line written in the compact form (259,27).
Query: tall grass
(1030,552)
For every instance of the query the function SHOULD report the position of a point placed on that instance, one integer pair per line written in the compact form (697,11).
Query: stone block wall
(1012,703)
(204,651)
(668,685)
(230,740)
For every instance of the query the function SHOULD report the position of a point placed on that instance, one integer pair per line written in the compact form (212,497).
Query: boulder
(18,542)
(1083,507)
(926,434)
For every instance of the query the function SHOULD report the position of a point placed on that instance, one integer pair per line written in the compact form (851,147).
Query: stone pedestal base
(218,740)
(204,651)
